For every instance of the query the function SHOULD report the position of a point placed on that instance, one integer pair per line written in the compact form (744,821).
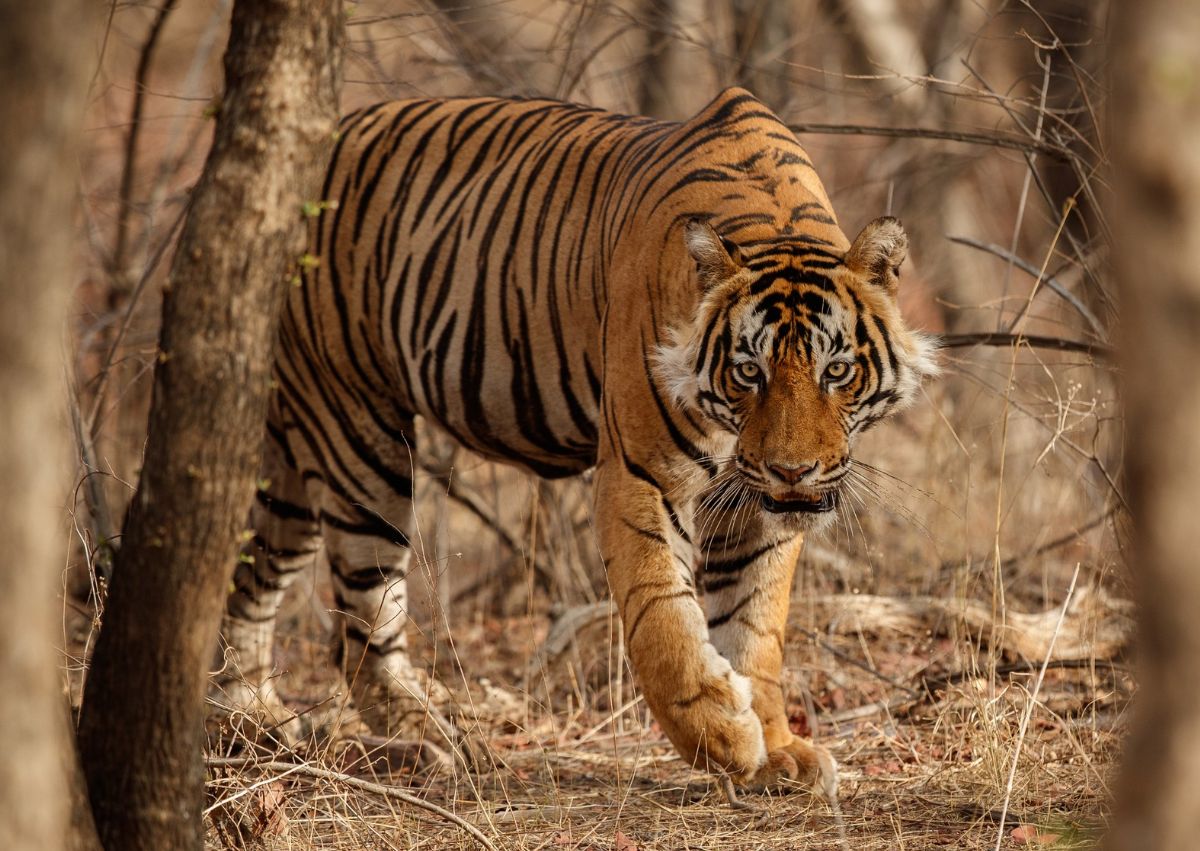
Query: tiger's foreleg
(702,704)
(747,579)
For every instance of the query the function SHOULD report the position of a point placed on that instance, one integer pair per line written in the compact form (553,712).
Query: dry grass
(1002,487)
(921,769)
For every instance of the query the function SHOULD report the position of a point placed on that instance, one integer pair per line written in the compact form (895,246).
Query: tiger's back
(466,260)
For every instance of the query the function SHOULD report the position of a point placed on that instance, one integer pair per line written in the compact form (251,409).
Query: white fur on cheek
(674,365)
(925,348)
(922,363)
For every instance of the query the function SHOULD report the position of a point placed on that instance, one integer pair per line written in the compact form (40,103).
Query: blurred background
(976,123)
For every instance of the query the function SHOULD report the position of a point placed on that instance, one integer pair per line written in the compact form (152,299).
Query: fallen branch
(565,629)
(393,792)
(944,681)
(1096,626)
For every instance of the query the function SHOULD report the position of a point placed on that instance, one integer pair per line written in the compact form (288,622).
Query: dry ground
(924,687)
(925,750)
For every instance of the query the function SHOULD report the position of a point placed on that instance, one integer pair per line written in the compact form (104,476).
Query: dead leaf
(878,770)
(621,842)
(1029,834)
(249,819)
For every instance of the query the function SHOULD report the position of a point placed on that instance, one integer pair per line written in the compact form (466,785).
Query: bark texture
(41,114)
(141,730)
(1155,120)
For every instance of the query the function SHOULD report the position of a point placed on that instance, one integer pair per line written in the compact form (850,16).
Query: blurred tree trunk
(141,731)
(889,45)
(680,73)
(1075,56)
(766,34)
(1155,120)
(41,115)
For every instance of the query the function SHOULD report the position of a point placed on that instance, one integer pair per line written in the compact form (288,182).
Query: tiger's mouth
(820,504)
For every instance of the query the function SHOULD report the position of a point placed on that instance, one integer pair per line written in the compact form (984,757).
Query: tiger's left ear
(878,252)
(717,259)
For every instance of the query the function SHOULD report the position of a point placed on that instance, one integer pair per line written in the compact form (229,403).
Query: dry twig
(356,783)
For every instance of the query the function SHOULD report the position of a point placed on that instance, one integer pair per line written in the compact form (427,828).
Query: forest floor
(925,720)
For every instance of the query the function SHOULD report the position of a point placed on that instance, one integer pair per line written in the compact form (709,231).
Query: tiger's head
(796,348)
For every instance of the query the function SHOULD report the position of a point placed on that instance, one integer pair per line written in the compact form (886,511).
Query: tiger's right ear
(717,259)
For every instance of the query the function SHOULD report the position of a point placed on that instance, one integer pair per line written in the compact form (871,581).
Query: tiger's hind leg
(285,539)
(368,544)
(746,572)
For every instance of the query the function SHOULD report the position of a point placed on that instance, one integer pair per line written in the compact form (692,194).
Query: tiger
(671,305)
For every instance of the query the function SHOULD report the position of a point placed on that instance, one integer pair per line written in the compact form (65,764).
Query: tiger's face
(796,350)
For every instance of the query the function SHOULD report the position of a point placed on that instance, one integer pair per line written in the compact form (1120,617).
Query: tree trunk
(1155,120)
(142,725)
(46,56)
(680,73)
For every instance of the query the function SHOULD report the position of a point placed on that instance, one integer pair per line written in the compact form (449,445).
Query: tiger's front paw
(713,725)
(799,762)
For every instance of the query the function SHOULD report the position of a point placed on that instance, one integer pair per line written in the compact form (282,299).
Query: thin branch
(131,141)
(1030,269)
(1024,727)
(93,419)
(1025,666)
(356,783)
(816,639)
(1034,552)
(1090,457)
(994,140)
(1060,541)
(963,341)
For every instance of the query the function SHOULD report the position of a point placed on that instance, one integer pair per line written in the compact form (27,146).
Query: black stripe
(721,620)
(367,525)
(281,508)
(653,601)
(739,563)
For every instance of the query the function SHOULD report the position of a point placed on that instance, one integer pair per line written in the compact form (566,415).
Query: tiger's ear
(717,259)
(878,252)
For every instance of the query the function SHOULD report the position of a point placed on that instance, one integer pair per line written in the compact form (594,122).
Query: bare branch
(131,141)
(993,140)
(964,341)
(1070,297)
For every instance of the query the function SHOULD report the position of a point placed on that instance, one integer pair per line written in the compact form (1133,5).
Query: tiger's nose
(788,473)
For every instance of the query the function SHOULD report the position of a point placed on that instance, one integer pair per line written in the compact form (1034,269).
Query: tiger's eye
(837,371)
(747,373)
